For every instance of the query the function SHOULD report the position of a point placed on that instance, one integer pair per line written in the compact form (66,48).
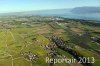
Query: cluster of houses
(29,56)
(51,48)
(60,43)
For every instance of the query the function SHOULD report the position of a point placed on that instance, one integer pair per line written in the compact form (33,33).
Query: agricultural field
(27,41)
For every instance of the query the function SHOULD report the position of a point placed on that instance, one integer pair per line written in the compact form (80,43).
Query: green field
(28,43)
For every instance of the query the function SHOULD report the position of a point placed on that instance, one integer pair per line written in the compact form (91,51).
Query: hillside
(28,41)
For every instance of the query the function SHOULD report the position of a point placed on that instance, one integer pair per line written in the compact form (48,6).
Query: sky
(30,5)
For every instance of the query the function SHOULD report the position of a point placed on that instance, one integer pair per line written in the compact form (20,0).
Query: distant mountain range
(88,13)
(86,10)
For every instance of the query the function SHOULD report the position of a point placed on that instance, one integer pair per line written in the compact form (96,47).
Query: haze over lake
(87,13)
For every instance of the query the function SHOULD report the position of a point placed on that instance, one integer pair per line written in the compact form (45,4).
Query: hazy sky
(28,5)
